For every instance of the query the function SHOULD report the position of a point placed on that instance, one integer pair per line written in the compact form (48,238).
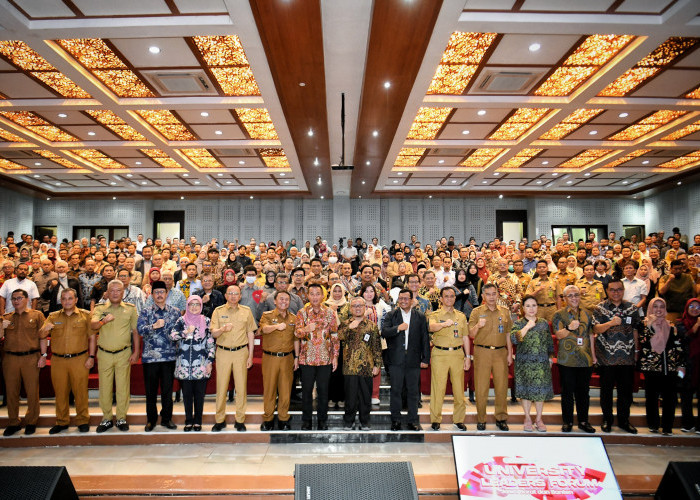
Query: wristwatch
(45,354)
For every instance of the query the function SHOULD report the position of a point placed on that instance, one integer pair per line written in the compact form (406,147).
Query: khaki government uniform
(546,298)
(22,352)
(277,364)
(113,353)
(591,293)
(524,280)
(491,358)
(69,348)
(447,358)
(229,361)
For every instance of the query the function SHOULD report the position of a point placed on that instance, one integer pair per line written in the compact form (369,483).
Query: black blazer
(139,266)
(418,340)
(51,294)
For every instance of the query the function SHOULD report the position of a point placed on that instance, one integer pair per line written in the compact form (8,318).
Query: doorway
(511,224)
(169,224)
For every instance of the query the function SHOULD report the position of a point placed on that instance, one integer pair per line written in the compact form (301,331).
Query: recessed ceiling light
(144,182)
(481,112)
(62,115)
(539,182)
(496,174)
(534,47)
(36,176)
(500,196)
(154,50)
(185,175)
(319,181)
(363,183)
(679,183)
(645,162)
(219,175)
(112,183)
(387,85)
(569,182)
(91,133)
(454,182)
(228,182)
(368,163)
(375,133)
(465,132)
(625,182)
(114,197)
(322,197)
(47,199)
(634,197)
(286,182)
(441,162)
(302,84)
(568,197)
(399,173)
(316,162)
(204,114)
(484,182)
(218,132)
(37,163)
(554,174)
(587,174)
(197,182)
(282,174)
(310,132)
(545,162)
(58,183)
(138,163)
(241,162)
(251,197)
(593,132)
(130,175)
(182,197)
(360,197)
(623,115)
(396,182)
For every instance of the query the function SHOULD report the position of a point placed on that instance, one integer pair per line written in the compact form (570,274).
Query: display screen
(534,467)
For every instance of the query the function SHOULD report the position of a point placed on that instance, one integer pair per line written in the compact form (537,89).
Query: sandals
(540,426)
(527,426)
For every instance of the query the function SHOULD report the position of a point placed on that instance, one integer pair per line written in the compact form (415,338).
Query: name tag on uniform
(628,320)
(579,341)
(58,323)
(366,337)
(224,317)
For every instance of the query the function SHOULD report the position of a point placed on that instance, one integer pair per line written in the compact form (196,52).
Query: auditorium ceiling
(170,98)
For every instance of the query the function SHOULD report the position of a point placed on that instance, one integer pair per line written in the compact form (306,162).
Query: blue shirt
(157,344)
(529,265)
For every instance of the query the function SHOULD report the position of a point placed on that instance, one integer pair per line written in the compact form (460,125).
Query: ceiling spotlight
(138,163)
(251,197)
(154,50)
(367,163)
(302,84)
(319,181)
(182,197)
(363,183)
(375,133)
(645,162)
(568,197)
(282,174)
(587,174)
(545,162)
(396,182)
(204,114)
(569,182)
(241,162)
(185,175)
(37,163)
(218,132)
(496,174)
(625,182)
(387,85)
(47,199)
(131,175)
(112,183)
(58,183)
(228,182)
(623,115)
(360,197)
(144,183)
(554,174)
(534,47)
(593,132)
(197,182)
(62,115)
(91,133)
(310,133)
(36,176)
(219,175)
(441,162)
(484,182)
(322,197)
(634,197)
(454,182)
(316,162)
(481,112)
(539,182)
(465,132)
(399,173)
(679,183)
(286,182)
(114,197)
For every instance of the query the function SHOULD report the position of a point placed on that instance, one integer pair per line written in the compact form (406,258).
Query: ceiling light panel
(97,158)
(521,157)
(58,159)
(257,123)
(167,124)
(519,122)
(275,158)
(428,123)
(683,161)
(680,133)
(115,124)
(226,59)
(460,61)
(570,123)
(38,125)
(610,167)
(646,125)
(479,159)
(10,165)
(409,157)
(202,158)
(578,162)
(161,157)
(9,136)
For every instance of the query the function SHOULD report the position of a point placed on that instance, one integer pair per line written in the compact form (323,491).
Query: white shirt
(440,279)
(14,284)
(406,319)
(634,289)
(349,252)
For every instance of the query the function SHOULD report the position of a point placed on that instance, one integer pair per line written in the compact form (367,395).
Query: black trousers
(193,392)
(320,375)
(655,385)
(623,377)
(401,376)
(155,375)
(575,382)
(358,396)
(336,387)
(689,395)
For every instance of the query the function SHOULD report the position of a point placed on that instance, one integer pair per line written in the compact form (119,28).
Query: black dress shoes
(481,426)
(627,427)
(267,426)
(568,427)
(240,427)
(586,427)
(396,426)
(57,428)
(323,426)
(84,427)
(306,426)
(284,425)
(435,426)
(187,428)
(149,427)
(168,424)
(413,427)
(218,427)
(606,426)
(502,425)
(11,429)
(461,426)
(30,429)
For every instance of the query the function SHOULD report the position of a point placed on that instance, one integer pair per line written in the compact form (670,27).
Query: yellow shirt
(242,320)
(591,293)
(450,336)
(546,296)
(116,334)
(70,334)
(489,334)
(278,341)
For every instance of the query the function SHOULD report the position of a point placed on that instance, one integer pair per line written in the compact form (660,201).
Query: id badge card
(456,333)
(579,341)
(366,337)
(628,320)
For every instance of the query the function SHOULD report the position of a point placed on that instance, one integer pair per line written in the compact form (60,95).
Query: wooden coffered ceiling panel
(448,97)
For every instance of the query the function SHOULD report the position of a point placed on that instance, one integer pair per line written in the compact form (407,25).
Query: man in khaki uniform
(489,326)
(280,360)
(25,354)
(118,347)
(518,272)
(73,347)
(233,326)
(592,291)
(563,278)
(450,356)
(545,290)
(42,280)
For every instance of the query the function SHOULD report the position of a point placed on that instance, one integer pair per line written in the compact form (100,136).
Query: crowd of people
(330,316)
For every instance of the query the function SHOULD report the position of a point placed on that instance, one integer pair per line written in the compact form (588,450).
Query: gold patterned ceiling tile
(610,167)
(10,137)
(409,157)
(115,124)
(101,61)
(275,158)
(695,94)
(521,157)
(38,125)
(570,123)
(97,158)
(202,158)
(61,84)
(226,59)
(10,165)
(678,134)
(167,124)
(582,159)
(520,122)
(683,161)
(479,159)
(647,125)
(257,123)
(57,159)
(428,122)
(659,58)
(589,57)
(161,157)
(459,62)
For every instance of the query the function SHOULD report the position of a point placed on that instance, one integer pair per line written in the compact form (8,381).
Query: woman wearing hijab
(644,274)
(338,302)
(466,293)
(229,278)
(475,280)
(662,360)
(689,328)
(269,282)
(196,351)
(482,269)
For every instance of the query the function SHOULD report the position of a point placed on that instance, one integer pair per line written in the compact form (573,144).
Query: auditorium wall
(388,219)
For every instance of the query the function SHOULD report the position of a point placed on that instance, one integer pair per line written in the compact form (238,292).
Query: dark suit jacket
(139,266)
(55,301)
(418,340)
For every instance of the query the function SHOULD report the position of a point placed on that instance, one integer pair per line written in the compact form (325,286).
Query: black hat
(158,285)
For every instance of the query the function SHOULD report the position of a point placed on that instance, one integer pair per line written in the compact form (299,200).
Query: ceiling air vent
(503,81)
(181,82)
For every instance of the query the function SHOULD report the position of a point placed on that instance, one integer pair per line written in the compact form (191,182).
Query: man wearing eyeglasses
(233,326)
(616,324)
(573,327)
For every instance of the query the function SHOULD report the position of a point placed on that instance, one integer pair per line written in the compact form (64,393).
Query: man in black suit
(144,265)
(53,290)
(408,350)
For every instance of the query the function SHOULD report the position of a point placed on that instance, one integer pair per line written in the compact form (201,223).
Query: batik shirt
(157,344)
(616,345)
(362,348)
(321,346)
(193,355)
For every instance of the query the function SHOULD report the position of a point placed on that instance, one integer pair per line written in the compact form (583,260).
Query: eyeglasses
(233,293)
(616,290)
(17,299)
(573,295)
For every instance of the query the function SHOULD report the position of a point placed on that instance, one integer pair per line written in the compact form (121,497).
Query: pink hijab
(661,326)
(197,320)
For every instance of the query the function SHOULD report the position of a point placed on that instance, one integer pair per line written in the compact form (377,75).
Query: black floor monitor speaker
(680,482)
(361,481)
(36,483)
